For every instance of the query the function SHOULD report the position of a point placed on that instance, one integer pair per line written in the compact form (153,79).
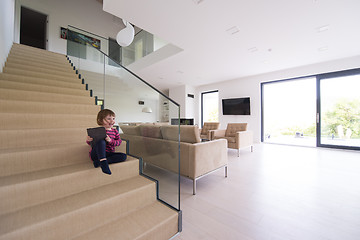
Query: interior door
(33,27)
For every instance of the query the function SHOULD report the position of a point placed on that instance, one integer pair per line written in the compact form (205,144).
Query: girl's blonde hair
(103,114)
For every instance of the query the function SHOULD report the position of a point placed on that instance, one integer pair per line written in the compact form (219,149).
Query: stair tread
(41,69)
(15,83)
(16,71)
(48,115)
(35,80)
(75,202)
(10,121)
(12,138)
(37,55)
(65,65)
(48,103)
(30,95)
(134,225)
(48,173)
(54,146)
(26,47)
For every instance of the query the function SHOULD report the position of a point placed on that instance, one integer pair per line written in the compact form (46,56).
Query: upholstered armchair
(204,132)
(236,134)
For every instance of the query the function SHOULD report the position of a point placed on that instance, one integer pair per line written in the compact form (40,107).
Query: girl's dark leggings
(99,152)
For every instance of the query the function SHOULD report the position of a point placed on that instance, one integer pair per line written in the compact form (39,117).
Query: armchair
(237,136)
(205,131)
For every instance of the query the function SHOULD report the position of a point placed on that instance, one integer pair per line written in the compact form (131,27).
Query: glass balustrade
(144,43)
(142,112)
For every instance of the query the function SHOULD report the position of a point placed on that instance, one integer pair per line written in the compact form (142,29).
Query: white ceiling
(270,35)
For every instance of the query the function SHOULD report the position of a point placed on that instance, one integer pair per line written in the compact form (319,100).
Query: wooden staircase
(48,186)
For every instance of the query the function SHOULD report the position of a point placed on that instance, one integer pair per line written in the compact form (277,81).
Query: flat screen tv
(236,106)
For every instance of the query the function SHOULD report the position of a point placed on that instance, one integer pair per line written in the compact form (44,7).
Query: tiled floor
(276,192)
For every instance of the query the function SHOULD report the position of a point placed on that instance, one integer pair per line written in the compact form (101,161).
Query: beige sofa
(158,145)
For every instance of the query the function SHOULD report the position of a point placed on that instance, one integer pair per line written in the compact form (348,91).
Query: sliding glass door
(339,110)
(288,112)
(322,110)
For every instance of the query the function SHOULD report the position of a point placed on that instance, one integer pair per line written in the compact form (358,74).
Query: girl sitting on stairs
(103,152)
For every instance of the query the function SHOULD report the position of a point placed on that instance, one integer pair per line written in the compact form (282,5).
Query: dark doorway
(33,28)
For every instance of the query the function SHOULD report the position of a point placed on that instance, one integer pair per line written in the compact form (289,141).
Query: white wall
(84,14)
(187,105)
(7,8)
(189,102)
(250,86)
(178,95)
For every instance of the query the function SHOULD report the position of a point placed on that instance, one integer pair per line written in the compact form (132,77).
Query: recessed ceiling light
(253,49)
(323,28)
(197,1)
(322,49)
(233,30)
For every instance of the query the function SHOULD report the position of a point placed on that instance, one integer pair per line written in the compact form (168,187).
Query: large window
(322,110)
(209,107)
(289,110)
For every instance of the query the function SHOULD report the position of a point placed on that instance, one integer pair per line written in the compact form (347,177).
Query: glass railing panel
(82,36)
(89,63)
(143,44)
(136,104)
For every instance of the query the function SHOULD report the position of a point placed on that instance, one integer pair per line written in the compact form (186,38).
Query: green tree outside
(345,113)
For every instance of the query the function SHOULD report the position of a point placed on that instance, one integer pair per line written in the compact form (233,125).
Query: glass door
(339,110)
(289,112)
(209,107)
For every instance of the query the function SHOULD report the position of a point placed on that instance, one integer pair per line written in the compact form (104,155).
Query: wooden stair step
(12,106)
(85,210)
(35,53)
(31,159)
(153,222)
(41,81)
(16,71)
(27,48)
(48,185)
(66,67)
(40,69)
(23,59)
(42,88)
(11,139)
(32,96)
(41,58)
(9,121)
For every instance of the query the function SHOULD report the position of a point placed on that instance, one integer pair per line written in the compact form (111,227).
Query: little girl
(103,152)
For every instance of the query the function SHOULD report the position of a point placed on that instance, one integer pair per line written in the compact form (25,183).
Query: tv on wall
(236,106)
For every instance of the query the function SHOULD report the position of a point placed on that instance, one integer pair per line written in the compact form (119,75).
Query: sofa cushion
(131,130)
(150,130)
(188,133)
(232,128)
